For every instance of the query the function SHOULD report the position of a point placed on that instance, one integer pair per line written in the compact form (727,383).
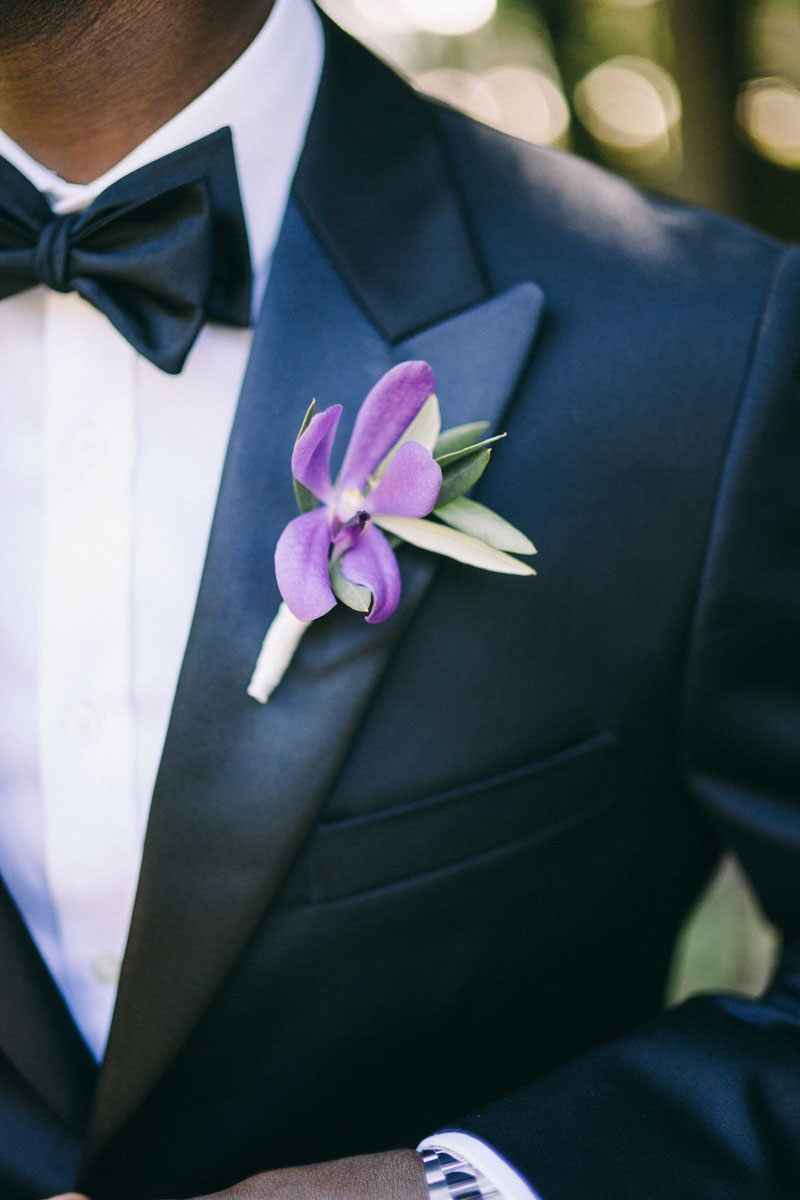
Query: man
(440,873)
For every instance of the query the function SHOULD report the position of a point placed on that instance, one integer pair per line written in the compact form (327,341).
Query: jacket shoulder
(551,214)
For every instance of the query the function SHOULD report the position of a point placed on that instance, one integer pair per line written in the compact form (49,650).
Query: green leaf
(459,476)
(423,429)
(310,411)
(439,539)
(480,522)
(352,594)
(306,500)
(458,437)
(444,459)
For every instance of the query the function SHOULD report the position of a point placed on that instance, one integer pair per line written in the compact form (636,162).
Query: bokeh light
(461,89)
(522,101)
(531,105)
(378,23)
(768,111)
(628,3)
(631,105)
(451,17)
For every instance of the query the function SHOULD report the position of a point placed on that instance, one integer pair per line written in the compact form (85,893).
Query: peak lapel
(240,784)
(375,187)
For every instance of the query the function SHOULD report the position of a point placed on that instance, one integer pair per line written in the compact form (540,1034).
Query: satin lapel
(36,1032)
(239,783)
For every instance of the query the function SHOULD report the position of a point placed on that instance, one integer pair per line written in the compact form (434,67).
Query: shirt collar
(266,98)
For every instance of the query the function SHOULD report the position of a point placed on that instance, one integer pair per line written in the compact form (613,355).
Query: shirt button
(82,721)
(105,968)
(86,444)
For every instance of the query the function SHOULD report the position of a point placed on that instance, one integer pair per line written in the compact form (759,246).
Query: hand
(393,1175)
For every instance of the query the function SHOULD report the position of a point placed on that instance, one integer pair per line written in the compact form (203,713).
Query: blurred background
(699,99)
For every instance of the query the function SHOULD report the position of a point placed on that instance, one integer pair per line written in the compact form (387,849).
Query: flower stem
(277,651)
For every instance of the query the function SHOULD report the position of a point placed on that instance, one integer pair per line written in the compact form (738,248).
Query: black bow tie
(158,252)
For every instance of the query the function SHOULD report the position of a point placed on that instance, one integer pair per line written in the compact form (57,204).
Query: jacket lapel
(240,784)
(37,1034)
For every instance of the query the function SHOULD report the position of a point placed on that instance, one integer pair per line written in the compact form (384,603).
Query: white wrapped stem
(277,651)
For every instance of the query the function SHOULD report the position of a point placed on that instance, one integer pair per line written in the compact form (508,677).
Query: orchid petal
(388,410)
(423,429)
(410,484)
(301,565)
(312,453)
(372,564)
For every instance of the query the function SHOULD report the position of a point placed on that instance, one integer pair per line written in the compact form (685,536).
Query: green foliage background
(713,48)
(718,54)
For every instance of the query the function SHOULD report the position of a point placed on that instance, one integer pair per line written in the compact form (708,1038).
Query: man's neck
(82,93)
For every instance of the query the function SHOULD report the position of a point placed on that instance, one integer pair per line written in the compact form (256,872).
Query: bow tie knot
(159,252)
(51,259)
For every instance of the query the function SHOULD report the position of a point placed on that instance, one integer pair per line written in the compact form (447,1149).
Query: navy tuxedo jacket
(441,872)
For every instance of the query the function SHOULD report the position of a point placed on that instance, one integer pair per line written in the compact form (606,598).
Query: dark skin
(396,1175)
(82,83)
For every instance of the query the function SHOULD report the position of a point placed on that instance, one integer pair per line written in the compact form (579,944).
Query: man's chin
(28,20)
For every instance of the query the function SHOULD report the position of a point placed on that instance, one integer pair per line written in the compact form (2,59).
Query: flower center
(349,504)
(346,536)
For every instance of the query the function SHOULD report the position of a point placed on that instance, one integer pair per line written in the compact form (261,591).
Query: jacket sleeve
(704,1102)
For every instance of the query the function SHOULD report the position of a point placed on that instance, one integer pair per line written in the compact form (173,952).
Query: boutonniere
(402,479)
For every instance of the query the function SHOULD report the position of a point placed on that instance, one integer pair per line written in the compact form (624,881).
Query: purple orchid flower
(343,528)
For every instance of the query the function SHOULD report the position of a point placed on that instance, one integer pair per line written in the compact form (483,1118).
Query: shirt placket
(86,718)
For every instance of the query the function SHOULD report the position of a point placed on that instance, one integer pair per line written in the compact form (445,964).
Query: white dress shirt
(109,471)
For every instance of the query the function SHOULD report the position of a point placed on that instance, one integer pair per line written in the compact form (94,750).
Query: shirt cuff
(508,1182)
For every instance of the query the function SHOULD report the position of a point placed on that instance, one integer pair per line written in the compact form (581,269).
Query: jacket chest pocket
(354,855)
